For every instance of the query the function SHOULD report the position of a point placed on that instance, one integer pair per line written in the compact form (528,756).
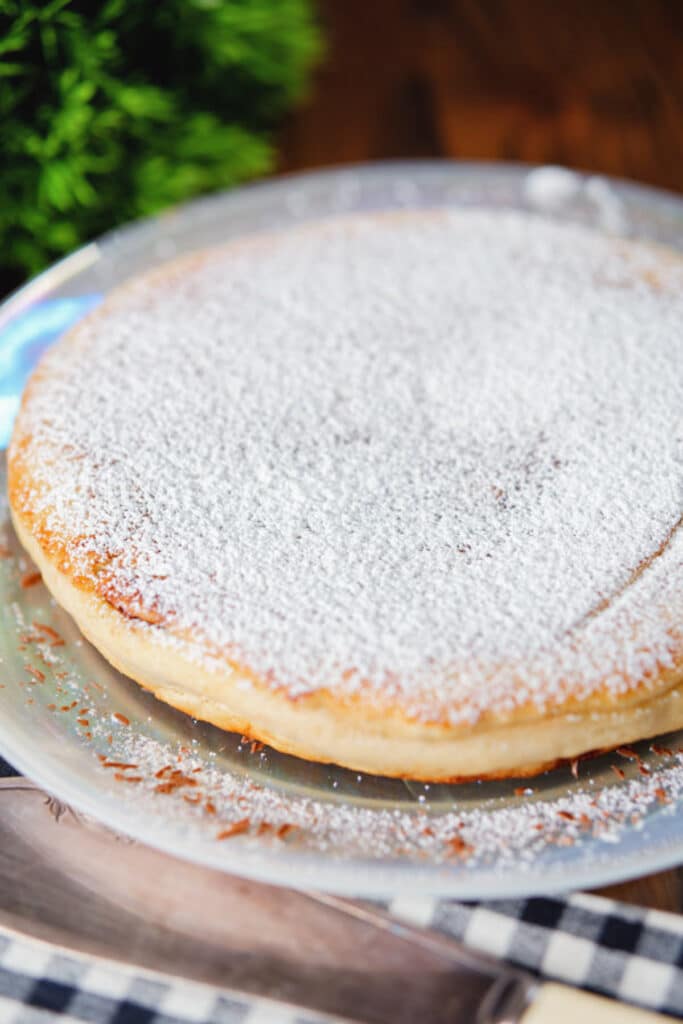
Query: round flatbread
(397,491)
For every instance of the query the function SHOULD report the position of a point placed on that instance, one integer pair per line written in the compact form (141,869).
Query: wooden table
(594,84)
(591,84)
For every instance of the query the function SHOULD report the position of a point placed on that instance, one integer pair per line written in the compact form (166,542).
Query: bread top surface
(429,461)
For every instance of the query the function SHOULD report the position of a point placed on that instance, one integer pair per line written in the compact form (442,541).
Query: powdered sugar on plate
(436,457)
(513,834)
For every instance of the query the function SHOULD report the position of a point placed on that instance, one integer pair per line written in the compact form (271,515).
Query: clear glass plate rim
(353,877)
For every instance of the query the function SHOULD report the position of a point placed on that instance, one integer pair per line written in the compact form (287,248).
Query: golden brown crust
(352,732)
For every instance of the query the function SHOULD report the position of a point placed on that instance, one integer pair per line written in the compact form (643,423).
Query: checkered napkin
(620,951)
(625,952)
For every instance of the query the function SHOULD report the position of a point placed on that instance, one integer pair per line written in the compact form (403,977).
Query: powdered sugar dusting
(435,449)
(516,834)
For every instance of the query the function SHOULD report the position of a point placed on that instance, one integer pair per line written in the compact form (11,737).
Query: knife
(71,882)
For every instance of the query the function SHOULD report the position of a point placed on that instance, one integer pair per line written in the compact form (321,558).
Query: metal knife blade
(71,882)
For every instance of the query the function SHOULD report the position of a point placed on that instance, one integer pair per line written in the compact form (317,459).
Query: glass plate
(97,741)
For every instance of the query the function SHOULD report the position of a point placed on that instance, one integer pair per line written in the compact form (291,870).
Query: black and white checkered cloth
(620,951)
(625,952)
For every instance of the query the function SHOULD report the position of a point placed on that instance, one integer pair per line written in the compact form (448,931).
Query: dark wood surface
(592,84)
(663,891)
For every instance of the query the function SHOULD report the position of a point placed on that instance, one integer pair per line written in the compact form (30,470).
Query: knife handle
(559,1004)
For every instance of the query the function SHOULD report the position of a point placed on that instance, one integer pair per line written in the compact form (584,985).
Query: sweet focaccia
(397,491)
